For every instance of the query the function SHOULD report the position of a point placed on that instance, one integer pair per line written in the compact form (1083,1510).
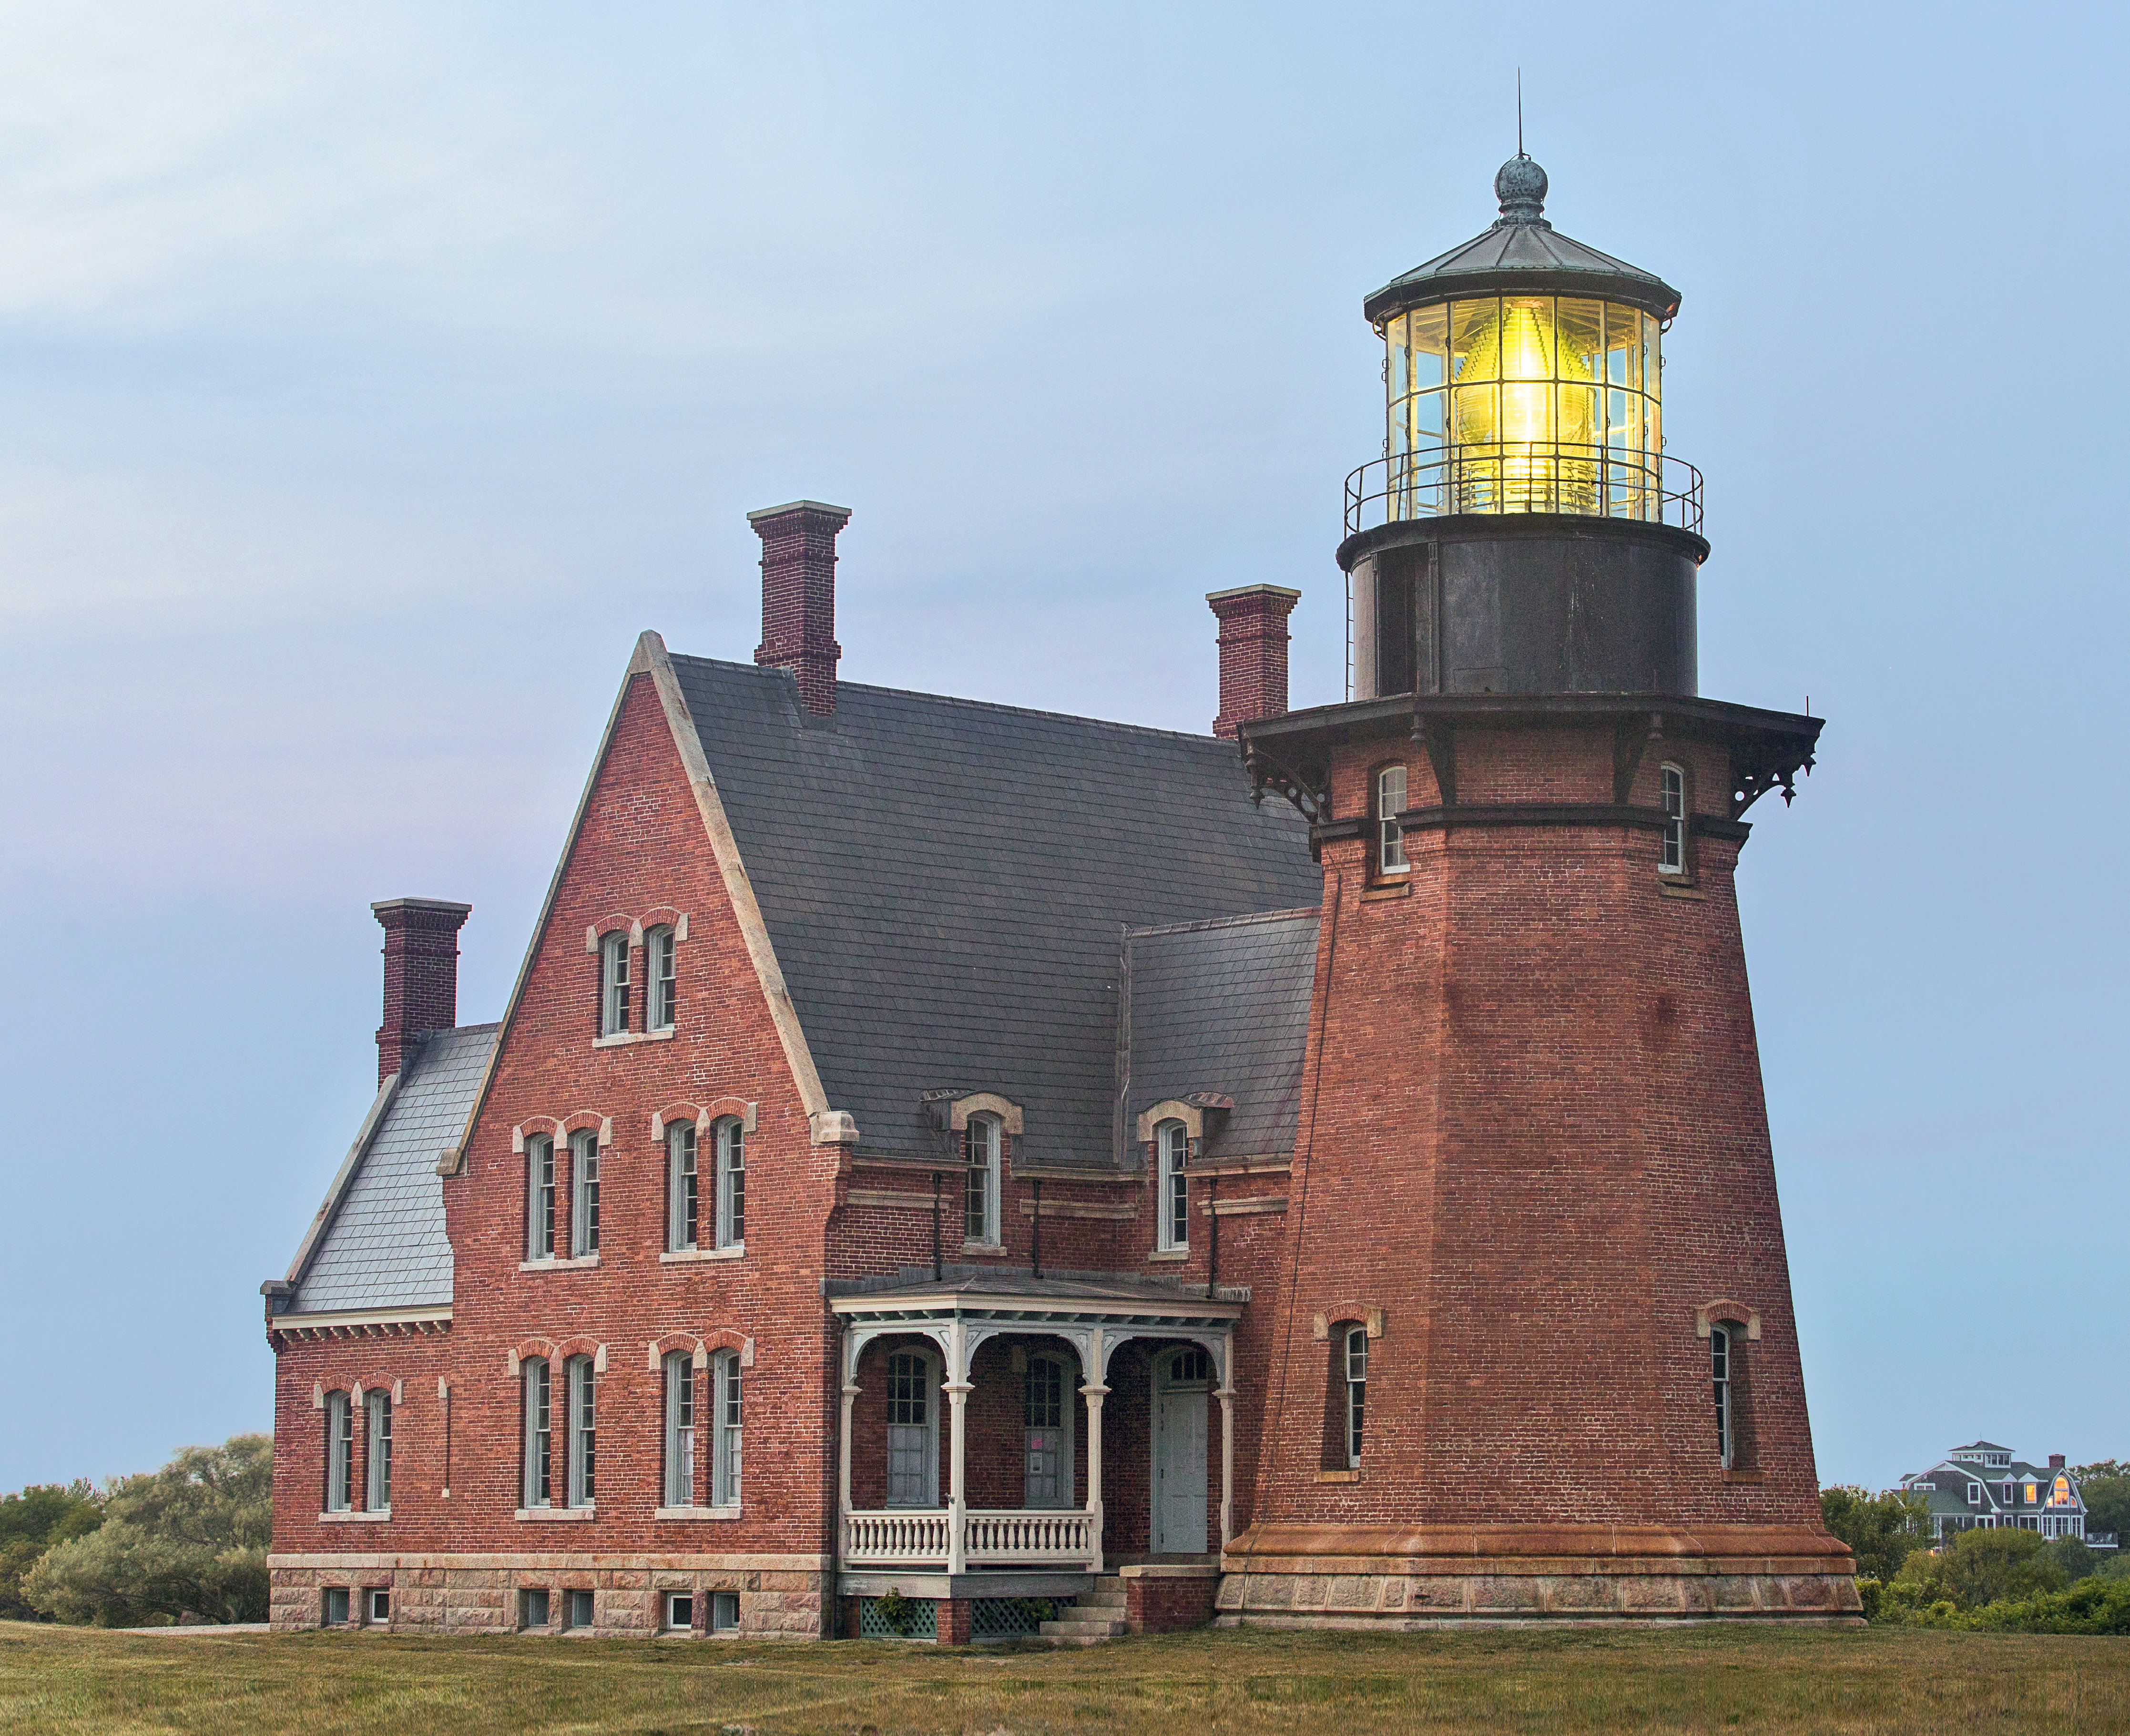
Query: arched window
(613,982)
(539,1198)
(340,1451)
(1171,1183)
(913,1432)
(584,1194)
(732,1184)
(680,1187)
(377,1456)
(980,1192)
(1672,859)
(1357,1391)
(724,1419)
(659,960)
(679,1367)
(1719,1357)
(583,1430)
(539,1429)
(1389,836)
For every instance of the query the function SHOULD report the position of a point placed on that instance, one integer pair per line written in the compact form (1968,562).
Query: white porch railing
(1052,1535)
(1047,1534)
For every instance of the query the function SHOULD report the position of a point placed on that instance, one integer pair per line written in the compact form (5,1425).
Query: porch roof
(1118,1300)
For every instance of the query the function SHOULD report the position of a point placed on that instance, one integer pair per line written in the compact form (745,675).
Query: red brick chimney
(799,596)
(2055,1461)
(1253,653)
(421,975)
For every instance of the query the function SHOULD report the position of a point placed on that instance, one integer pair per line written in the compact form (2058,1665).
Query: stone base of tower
(1394,1578)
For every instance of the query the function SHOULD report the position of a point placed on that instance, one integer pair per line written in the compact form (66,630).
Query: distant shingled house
(1981,1486)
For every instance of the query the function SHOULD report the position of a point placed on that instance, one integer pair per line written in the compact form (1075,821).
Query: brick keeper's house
(1316,1172)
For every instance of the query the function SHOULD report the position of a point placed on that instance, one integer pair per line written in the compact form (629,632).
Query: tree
(2106,1487)
(188,1539)
(1984,1566)
(30,1523)
(2077,1562)
(1880,1530)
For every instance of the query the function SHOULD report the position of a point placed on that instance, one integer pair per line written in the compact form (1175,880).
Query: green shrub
(1879,1529)
(31,1523)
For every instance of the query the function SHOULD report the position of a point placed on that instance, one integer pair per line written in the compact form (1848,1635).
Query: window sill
(1744,1477)
(1338,1476)
(622,1038)
(1668,887)
(559,1515)
(737,1251)
(1170,1254)
(696,1512)
(356,1516)
(576,1262)
(986,1250)
(1388,889)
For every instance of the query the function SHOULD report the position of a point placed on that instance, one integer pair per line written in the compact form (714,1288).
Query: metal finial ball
(1520,185)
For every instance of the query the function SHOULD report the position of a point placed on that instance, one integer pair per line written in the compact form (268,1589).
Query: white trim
(682,1256)
(694,1513)
(575,1263)
(622,1038)
(363,1316)
(559,1515)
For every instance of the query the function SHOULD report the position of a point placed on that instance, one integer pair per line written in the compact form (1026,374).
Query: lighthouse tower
(1536,1358)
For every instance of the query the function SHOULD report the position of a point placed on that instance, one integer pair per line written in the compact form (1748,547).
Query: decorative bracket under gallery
(1763,767)
(1314,803)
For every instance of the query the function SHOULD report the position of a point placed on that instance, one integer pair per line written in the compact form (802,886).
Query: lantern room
(1524,394)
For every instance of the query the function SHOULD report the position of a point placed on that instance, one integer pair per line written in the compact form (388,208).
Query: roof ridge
(1289,913)
(974,705)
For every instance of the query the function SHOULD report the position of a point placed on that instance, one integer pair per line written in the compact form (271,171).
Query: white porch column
(956,1389)
(844,1474)
(1094,1392)
(1226,1395)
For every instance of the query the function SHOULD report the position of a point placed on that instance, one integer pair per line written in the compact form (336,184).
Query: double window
(980,1193)
(1390,835)
(1173,1184)
(613,982)
(724,1376)
(377,1455)
(339,1454)
(684,1200)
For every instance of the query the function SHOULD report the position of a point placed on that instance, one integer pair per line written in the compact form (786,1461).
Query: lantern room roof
(1522,254)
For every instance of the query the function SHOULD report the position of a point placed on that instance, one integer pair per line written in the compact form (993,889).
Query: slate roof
(1224,1007)
(383,1245)
(946,884)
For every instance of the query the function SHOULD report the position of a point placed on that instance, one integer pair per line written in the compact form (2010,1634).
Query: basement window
(532,1608)
(332,1612)
(679,1612)
(724,1612)
(579,1608)
(380,1611)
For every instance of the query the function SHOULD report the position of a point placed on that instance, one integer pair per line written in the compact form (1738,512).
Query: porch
(924,1534)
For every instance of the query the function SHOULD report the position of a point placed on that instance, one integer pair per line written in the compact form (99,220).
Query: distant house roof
(378,1241)
(1223,1007)
(947,885)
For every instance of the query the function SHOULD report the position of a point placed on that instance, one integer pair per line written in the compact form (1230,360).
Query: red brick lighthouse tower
(1536,1359)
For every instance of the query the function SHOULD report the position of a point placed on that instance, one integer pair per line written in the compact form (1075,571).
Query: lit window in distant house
(679,1367)
(680,1187)
(732,1184)
(613,982)
(1173,1184)
(584,1194)
(2060,1495)
(1357,1391)
(1390,835)
(339,1453)
(1719,1359)
(583,1431)
(539,1198)
(2033,1493)
(980,1195)
(659,958)
(539,1429)
(724,1417)
(377,1456)
(1672,859)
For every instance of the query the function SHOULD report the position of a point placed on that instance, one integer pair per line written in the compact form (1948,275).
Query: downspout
(1037,1256)
(1213,1236)
(938,1272)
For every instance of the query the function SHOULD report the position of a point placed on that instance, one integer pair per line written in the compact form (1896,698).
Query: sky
(369,376)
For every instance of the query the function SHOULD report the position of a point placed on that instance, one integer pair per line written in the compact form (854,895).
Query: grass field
(1877,1681)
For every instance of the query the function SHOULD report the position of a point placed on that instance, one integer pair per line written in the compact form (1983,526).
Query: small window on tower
(659,961)
(1672,859)
(1390,835)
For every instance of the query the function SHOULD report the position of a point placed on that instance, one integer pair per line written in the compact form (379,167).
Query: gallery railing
(1525,476)
(902,1535)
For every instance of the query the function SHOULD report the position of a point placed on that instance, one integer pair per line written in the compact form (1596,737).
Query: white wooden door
(913,1439)
(1179,1472)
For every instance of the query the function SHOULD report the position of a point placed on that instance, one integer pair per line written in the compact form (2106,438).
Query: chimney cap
(841,512)
(439,907)
(1252,590)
